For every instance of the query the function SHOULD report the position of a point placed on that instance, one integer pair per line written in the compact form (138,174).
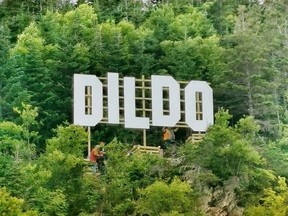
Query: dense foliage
(239,47)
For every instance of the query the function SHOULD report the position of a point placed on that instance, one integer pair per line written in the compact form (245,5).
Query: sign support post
(89,141)
(143,108)
(88,108)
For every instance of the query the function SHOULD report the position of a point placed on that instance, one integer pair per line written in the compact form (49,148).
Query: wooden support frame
(88,111)
(199,106)
(147,149)
(195,137)
(143,95)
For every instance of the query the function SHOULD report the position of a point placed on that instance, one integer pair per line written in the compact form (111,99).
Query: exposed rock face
(218,201)
(223,200)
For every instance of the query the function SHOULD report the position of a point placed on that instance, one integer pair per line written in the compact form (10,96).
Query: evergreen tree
(247,59)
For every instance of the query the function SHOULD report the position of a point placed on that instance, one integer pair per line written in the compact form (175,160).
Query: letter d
(80,117)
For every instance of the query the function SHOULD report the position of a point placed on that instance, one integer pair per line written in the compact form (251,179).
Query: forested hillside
(239,47)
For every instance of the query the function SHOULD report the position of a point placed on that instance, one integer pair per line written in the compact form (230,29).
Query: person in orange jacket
(93,157)
(168,135)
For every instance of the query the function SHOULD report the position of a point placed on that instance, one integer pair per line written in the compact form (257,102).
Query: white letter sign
(158,118)
(190,105)
(122,102)
(113,98)
(131,121)
(80,117)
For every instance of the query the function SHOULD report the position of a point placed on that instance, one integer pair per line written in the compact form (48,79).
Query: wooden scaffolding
(143,109)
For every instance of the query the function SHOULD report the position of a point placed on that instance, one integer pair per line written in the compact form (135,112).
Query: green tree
(129,173)
(274,27)
(195,58)
(66,172)
(27,66)
(15,16)
(119,10)
(28,116)
(274,201)
(63,160)
(190,24)
(4,48)
(31,79)
(227,151)
(12,206)
(19,140)
(32,188)
(69,139)
(276,154)
(11,139)
(247,58)
(223,14)
(160,198)
(159,21)
(189,48)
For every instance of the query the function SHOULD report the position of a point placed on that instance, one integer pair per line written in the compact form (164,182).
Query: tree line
(239,47)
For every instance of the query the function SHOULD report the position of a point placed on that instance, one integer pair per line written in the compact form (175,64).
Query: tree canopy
(239,48)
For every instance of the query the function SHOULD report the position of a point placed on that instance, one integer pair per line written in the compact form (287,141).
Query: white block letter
(113,98)
(158,118)
(131,121)
(207,105)
(80,117)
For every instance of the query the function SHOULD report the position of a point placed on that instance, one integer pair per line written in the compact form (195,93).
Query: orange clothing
(93,155)
(168,134)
